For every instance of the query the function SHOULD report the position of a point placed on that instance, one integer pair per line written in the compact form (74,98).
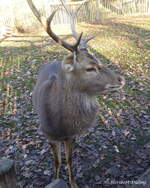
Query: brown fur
(65,97)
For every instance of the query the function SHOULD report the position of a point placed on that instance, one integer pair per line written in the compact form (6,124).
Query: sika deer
(65,94)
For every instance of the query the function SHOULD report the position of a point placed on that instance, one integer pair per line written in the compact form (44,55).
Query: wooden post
(7,174)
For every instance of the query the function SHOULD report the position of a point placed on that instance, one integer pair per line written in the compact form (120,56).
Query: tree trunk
(7,174)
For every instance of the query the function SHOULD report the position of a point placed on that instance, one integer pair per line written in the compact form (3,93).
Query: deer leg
(68,153)
(56,148)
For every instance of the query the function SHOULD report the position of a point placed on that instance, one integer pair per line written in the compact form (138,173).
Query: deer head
(89,75)
(82,69)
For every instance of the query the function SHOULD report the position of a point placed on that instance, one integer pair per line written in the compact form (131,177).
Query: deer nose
(121,80)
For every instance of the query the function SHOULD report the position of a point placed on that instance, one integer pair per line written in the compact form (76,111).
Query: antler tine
(70,47)
(47,26)
(72,19)
(35,12)
(84,41)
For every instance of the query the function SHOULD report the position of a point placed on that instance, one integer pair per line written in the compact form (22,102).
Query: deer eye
(91,69)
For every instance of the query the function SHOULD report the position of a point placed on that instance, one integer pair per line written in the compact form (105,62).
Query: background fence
(17,13)
(129,7)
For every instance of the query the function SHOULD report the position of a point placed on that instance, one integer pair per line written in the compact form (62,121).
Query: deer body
(64,112)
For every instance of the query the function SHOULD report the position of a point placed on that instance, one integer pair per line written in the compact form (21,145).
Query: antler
(47,26)
(84,41)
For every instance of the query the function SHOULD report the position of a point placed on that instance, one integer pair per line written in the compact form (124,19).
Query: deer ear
(68,63)
(68,68)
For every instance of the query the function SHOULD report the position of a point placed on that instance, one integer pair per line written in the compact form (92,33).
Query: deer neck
(72,95)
